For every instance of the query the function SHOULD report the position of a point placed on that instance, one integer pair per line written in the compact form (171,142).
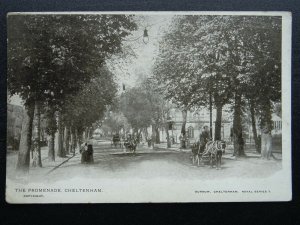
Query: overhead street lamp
(145,36)
(210,114)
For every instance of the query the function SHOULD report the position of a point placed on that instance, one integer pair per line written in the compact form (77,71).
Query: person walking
(83,151)
(204,138)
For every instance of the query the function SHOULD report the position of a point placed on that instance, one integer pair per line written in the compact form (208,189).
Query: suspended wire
(134,39)
(148,26)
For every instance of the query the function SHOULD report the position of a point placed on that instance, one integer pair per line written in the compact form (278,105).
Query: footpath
(250,152)
(105,148)
(47,165)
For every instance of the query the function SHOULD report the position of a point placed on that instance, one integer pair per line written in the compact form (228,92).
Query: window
(280,125)
(191,132)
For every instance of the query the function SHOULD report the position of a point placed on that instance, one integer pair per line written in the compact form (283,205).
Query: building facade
(194,124)
(14,125)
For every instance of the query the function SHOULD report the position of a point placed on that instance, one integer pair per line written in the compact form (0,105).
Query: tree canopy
(218,55)
(88,105)
(52,56)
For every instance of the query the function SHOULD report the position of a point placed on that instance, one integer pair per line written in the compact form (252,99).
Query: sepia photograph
(130,107)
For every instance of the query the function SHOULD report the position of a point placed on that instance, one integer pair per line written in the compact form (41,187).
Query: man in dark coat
(204,138)
(83,152)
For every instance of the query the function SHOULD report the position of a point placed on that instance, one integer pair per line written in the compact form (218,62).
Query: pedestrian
(35,152)
(90,152)
(83,151)
(127,141)
(182,139)
(204,138)
(149,140)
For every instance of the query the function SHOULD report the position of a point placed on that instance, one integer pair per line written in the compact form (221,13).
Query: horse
(131,145)
(195,151)
(214,150)
(116,140)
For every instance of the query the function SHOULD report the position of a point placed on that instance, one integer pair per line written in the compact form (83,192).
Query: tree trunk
(210,115)
(42,134)
(266,133)
(38,135)
(266,145)
(253,123)
(238,140)
(73,140)
(90,133)
(153,136)
(218,124)
(184,118)
(51,152)
(168,136)
(25,142)
(157,135)
(60,150)
(139,135)
(63,138)
(52,130)
(67,139)
(79,137)
(86,134)
(146,133)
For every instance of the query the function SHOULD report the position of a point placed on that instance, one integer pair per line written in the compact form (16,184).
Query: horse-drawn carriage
(116,141)
(130,144)
(197,153)
(211,152)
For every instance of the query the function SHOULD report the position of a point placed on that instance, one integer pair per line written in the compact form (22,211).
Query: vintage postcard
(131,107)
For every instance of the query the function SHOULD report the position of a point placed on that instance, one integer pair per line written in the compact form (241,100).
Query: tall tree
(115,121)
(52,56)
(51,130)
(160,107)
(222,56)
(262,42)
(192,63)
(25,142)
(136,108)
(88,106)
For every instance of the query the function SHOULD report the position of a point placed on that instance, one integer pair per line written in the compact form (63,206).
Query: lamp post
(169,127)
(145,36)
(210,114)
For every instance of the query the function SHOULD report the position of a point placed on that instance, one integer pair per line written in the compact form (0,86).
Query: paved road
(147,163)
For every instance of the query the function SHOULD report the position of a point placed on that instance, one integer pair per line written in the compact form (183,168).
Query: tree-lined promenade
(224,60)
(212,62)
(58,65)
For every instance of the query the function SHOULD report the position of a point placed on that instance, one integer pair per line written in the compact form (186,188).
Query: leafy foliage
(114,122)
(221,55)
(88,105)
(52,56)
(136,108)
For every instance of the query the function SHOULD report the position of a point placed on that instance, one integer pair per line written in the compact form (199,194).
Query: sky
(131,69)
(15,100)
